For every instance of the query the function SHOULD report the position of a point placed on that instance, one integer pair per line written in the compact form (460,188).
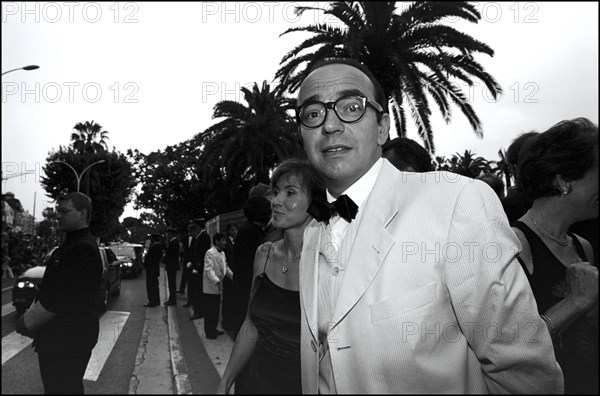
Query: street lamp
(30,67)
(79,175)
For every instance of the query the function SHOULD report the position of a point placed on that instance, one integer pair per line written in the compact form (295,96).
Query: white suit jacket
(433,300)
(215,269)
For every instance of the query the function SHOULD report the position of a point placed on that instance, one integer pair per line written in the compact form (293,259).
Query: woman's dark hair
(569,149)
(308,176)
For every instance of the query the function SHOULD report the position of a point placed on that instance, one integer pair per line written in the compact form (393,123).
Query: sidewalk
(160,367)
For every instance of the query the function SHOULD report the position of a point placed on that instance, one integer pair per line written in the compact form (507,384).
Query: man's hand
(189,265)
(194,272)
(22,329)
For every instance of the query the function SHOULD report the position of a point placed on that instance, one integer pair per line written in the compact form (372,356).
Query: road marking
(7,309)
(111,325)
(12,344)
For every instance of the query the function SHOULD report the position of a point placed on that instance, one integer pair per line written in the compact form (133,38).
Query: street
(139,351)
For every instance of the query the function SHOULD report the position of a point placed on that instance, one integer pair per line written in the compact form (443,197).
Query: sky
(151,73)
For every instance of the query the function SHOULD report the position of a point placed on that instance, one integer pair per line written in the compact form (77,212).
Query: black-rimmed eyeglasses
(349,109)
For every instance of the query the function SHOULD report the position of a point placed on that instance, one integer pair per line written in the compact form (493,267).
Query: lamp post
(30,67)
(79,175)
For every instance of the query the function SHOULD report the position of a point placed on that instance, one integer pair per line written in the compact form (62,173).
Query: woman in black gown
(558,169)
(268,344)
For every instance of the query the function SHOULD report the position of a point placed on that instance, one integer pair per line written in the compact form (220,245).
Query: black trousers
(62,371)
(172,282)
(212,305)
(195,293)
(152,289)
(228,304)
(184,279)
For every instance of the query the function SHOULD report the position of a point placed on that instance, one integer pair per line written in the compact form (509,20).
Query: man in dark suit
(184,246)
(63,320)
(152,266)
(171,260)
(257,210)
(228,298)
(200,245)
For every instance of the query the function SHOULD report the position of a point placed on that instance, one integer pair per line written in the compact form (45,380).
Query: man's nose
(332,122)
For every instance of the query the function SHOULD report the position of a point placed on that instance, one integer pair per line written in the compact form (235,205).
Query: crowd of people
(360,269)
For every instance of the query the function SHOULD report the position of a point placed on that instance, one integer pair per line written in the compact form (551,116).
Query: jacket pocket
(409,300)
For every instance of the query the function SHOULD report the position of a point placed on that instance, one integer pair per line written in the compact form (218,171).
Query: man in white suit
(215,270)
(418,290)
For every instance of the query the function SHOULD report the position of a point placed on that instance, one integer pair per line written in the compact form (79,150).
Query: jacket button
(335,271)
(313,345)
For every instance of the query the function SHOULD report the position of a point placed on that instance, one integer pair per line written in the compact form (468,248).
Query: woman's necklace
(284,269)
(547,234)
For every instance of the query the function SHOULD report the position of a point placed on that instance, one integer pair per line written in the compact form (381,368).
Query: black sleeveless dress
(275,363)
(578,355)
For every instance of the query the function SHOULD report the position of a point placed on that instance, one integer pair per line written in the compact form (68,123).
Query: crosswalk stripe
(111,325)
(12,344)
(7,309)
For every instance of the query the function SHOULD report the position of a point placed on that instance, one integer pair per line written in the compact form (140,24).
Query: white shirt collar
(361,189)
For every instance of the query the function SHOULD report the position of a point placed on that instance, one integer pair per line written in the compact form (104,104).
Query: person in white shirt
(410,284)
(215,270)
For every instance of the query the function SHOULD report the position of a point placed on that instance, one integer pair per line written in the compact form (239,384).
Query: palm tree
(413,54)
(250,141)
(503,168)
(89,138)
(469,165)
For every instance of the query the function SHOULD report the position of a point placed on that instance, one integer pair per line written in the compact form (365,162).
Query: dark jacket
(198,249)
(69,288)
(171,258)
(152,259)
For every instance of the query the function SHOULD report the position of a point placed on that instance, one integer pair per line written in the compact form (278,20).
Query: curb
(180,371)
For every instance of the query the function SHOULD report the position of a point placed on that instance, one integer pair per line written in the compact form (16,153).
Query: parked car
(130,255)
(27,285)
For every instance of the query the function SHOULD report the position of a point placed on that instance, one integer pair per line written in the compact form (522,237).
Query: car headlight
(127,264)
(25,285)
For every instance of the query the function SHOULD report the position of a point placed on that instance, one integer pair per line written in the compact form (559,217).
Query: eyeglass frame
(331,106)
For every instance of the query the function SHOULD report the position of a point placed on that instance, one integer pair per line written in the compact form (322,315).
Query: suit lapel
(309,275)
(367,243)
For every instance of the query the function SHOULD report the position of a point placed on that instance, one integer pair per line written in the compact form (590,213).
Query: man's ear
(299,133)
(383,129)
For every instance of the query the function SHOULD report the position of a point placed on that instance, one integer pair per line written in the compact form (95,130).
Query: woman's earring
(566,190)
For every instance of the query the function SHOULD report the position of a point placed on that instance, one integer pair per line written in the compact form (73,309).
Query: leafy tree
(250,141)
(108,184)
(414,56)
(170,185)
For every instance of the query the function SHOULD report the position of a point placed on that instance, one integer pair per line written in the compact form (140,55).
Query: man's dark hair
(493,181)
(230,226)
(379,94)
(405,152)
(512,152)
(257,209)
(217,237)
(80,201)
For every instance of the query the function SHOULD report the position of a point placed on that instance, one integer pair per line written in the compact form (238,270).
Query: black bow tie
(322,210)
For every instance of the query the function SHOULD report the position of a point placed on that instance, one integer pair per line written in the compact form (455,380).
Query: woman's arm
(245,343)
